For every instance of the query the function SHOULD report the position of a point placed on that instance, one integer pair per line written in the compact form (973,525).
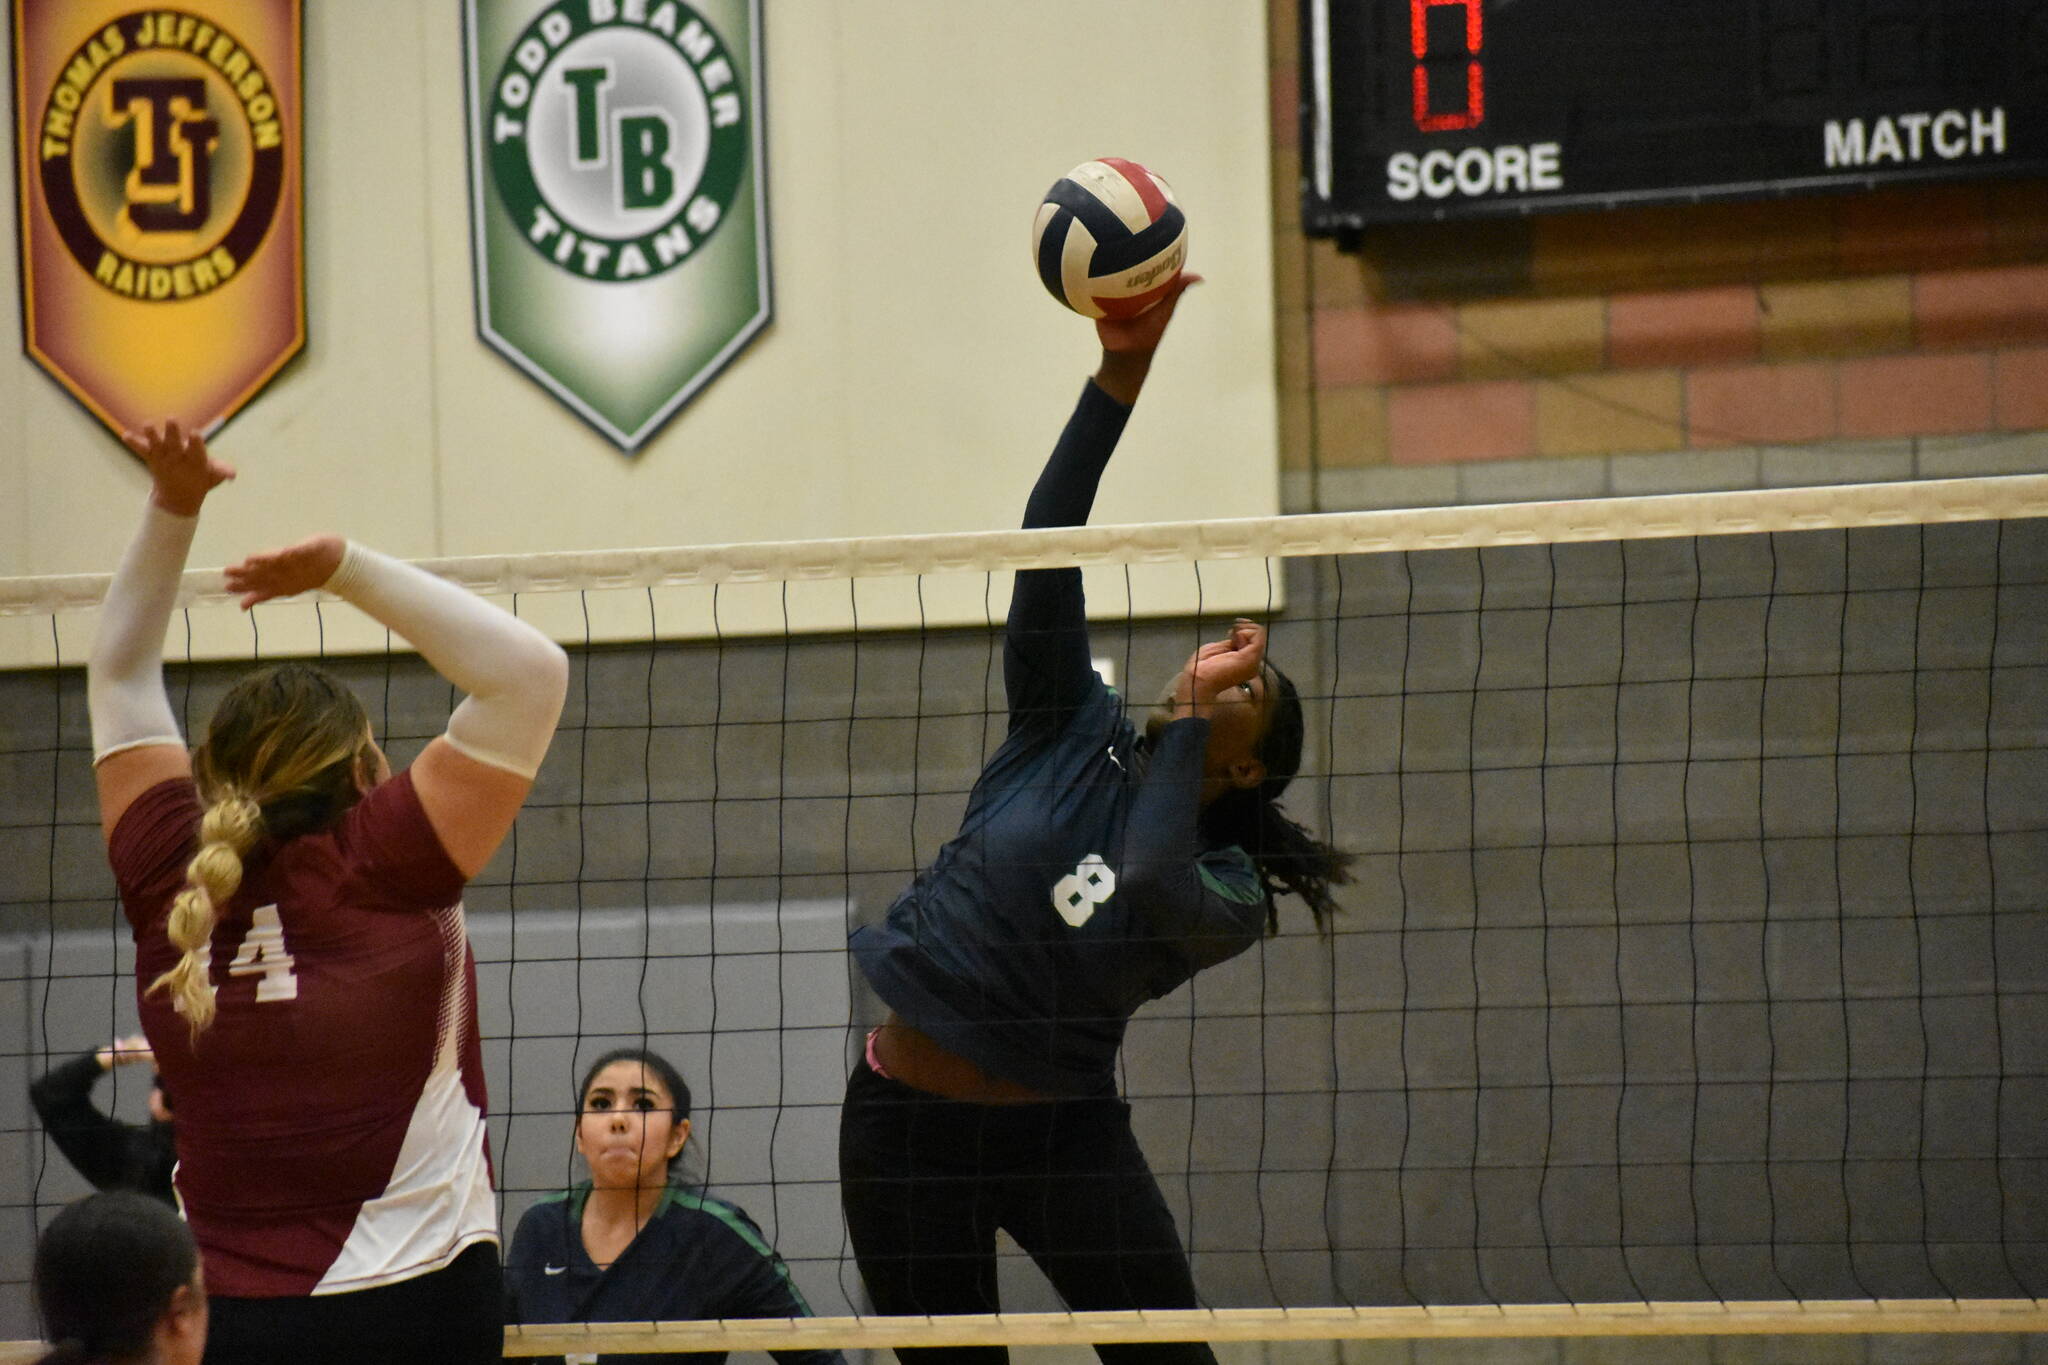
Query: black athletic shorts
(455,1316)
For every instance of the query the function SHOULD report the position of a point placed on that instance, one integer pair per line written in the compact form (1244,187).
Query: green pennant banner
(618,197)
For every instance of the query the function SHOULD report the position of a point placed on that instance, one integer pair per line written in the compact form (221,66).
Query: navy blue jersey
(1078,886)
(697,1258)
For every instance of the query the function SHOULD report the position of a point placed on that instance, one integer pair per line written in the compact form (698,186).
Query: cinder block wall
(1819,339)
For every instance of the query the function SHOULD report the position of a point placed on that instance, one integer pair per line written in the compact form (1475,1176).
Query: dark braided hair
(1288,857)
(106,1270)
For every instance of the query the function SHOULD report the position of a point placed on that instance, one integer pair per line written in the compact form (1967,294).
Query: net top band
(1664,516)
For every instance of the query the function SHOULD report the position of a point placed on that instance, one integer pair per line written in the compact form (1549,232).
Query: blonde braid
(229,829)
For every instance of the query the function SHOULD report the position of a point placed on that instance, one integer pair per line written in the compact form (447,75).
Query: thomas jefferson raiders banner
(618,197)
(158,174)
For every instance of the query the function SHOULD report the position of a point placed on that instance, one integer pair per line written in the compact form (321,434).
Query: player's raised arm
(472,779)
(135,738)
(109,1153)
(1046,664)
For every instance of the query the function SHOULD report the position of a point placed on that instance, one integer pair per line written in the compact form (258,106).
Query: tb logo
(169,188)
(618,135)
(636,141)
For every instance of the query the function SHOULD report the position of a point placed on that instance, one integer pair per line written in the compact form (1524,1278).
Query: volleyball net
(1694,976)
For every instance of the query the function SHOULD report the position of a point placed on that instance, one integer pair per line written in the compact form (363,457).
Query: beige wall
(912,380)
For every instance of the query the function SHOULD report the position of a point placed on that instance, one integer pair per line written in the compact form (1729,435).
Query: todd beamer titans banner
(618,197)
(158,173)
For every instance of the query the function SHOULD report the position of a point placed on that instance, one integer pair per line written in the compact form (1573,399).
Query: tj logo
(169,190)
(161,155)
(162,253)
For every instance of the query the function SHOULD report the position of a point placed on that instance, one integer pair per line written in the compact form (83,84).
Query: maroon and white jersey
(331,1121)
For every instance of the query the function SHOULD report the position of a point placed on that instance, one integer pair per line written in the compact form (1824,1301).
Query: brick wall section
(1935,352)
(1902,314)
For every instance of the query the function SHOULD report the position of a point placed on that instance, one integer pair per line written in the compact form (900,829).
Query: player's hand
(1128,343)
(1220,667)
(283,573)
(1141,335)
(125,1052)
(180,466)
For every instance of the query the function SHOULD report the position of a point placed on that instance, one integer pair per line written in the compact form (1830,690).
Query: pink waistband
(874,1062)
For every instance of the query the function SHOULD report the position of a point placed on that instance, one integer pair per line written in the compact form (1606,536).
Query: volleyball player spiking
(1095,870)
(301,965)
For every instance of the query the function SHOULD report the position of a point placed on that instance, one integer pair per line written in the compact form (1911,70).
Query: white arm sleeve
(515,676)
(124,681)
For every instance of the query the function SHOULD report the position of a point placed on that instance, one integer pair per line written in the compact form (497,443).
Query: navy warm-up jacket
(697,1258)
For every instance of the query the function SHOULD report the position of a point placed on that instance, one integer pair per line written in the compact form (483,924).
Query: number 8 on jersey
(1077,894)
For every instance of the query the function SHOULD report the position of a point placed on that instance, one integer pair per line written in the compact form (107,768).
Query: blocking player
(301,965)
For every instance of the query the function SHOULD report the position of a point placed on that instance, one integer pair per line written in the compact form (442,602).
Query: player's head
(287,751)
(294,741)
(1255,743)
(117,1279)
(633,1117)
(1255,734)
(1254,729)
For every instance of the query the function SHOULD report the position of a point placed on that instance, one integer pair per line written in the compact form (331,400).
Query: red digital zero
(1474,111)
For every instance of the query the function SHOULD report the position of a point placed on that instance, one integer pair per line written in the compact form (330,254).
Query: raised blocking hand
(180,466)
(283,573)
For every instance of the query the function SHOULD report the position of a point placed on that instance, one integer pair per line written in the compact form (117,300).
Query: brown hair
(283,756)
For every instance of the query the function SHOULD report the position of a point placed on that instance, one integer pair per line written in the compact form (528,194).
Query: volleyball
(1109,239)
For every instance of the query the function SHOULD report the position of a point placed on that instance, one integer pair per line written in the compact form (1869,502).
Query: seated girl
(631,1244)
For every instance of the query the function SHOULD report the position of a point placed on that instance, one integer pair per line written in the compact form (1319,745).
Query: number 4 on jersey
(263,953)
(1077,894)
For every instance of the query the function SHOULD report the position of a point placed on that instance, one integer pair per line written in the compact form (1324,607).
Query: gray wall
(1696,947)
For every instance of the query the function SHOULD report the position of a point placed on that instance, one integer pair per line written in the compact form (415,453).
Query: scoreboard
(1416,110)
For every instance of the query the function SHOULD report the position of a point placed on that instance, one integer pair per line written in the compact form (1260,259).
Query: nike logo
(1114,759)
(554,1270)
